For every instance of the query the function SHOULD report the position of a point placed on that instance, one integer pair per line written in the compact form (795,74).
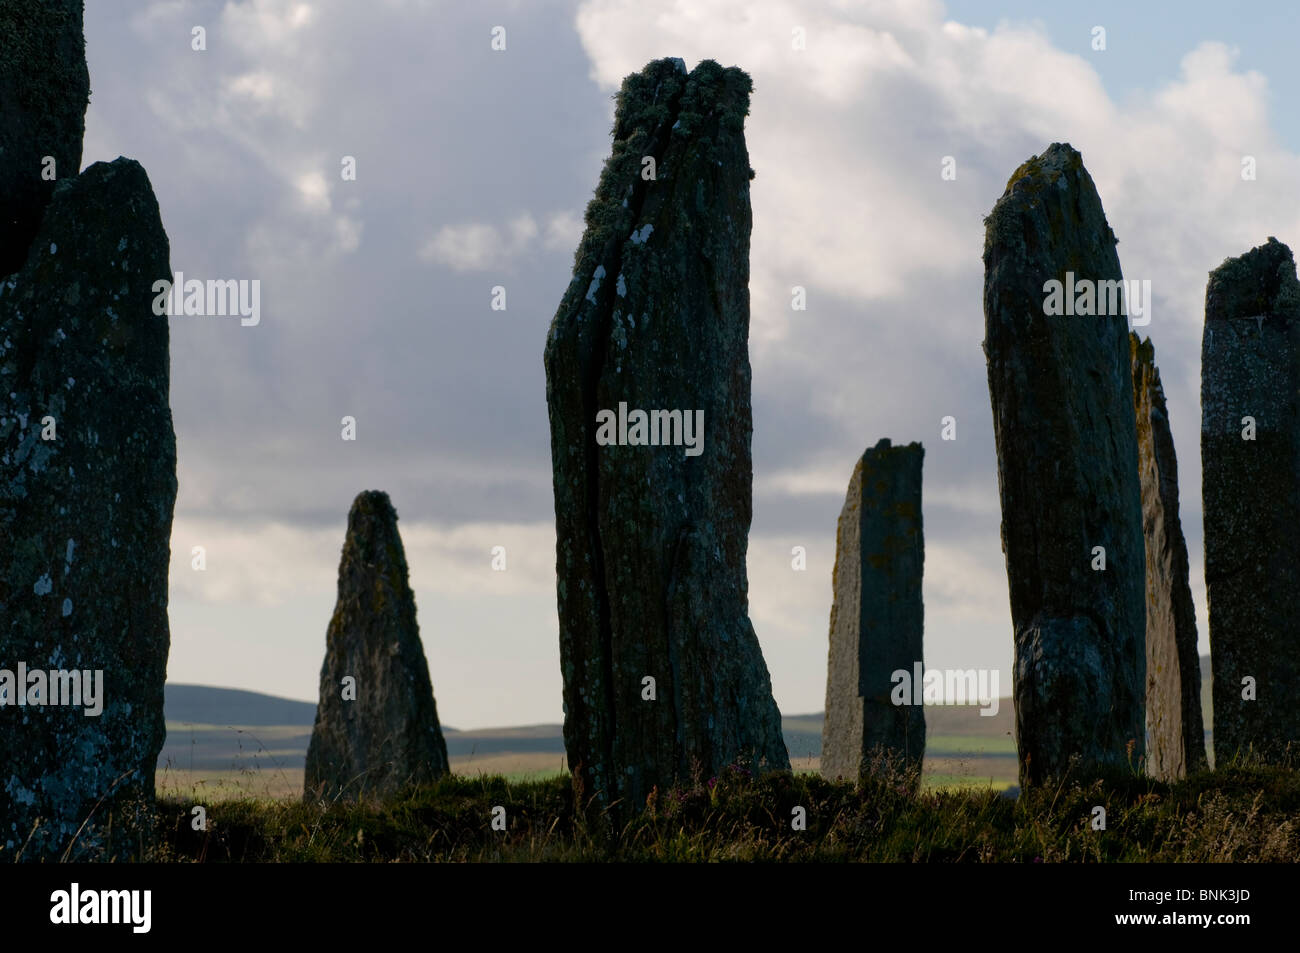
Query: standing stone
(877,618)
(663,675)
(1063,420)
(44,88)
(379,733)
(1250,368)
(1175,732)
(87,487)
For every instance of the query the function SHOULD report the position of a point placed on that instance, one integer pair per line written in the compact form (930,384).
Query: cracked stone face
(651,541)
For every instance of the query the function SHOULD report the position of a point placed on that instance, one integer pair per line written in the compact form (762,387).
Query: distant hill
(203,705)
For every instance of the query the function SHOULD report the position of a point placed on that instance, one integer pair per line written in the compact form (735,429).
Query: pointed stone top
(372,531)
(1141,350)
(656,109)
(1038,172)
(1259,283)
(372,503)
(1146,376)
(1052,161)
(664,91)
(1050,209)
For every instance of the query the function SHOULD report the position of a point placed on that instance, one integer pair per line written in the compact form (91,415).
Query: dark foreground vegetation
(1239,813)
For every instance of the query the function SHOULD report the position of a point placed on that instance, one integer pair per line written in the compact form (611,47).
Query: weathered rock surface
(1250,367)
(386,736)
(877,617)
(87,486)
(44,88)
(1063,419)
(1175,731)
(651,540)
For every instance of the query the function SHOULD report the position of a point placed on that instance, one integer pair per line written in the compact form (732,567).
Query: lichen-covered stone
(44,88)
(1063,420)
(651,542)
(1250,367)
(877,617)
(85,515)
(1175,732)
(386,736)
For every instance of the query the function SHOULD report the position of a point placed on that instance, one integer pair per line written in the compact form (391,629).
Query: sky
(473,168)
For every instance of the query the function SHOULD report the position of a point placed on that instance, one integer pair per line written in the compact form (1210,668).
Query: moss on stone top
(653,106)
(1041,170)
(1024,191)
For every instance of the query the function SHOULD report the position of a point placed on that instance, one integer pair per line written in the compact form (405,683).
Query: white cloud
(268,26)
(469,247)
(258,86)
(478,246)
(314,191)
(563,231)
(270,563)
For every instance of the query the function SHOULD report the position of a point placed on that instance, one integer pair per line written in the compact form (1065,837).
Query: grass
(1241,813)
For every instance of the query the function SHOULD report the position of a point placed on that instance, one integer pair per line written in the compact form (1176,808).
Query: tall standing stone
(44,88)
(1250,465)
(1175,732)
(87,487)
(379,733)
(1063,420)
(87,462)
(877,617)
(663,675)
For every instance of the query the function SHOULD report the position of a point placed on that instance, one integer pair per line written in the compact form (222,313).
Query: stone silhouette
(44,88)
(1063,419)
(1175,731)
(87,465)
(648,390)
(378,733)
(1250,458)
(877,618)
